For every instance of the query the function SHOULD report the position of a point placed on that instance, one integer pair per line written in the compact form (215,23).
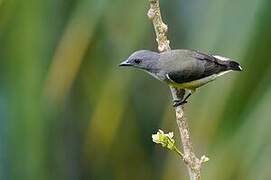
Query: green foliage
(166,140)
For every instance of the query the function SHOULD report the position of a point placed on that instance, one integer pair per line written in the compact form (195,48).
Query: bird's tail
(232,65)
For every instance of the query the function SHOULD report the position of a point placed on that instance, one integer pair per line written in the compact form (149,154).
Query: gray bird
(182,68)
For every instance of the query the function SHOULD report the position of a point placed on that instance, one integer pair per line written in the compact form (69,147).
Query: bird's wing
(203,66)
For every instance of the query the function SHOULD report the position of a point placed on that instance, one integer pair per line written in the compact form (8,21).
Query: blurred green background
(68,112)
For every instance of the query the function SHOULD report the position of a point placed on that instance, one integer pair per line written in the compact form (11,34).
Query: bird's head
(142,59)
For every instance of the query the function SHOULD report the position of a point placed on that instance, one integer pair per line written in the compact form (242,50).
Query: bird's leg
(179,102)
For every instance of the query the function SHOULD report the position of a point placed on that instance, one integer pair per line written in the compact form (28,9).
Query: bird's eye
(137,61)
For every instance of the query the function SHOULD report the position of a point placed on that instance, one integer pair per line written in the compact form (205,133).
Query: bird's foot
(177,103)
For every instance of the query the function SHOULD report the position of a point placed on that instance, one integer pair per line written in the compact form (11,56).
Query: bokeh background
(67,111)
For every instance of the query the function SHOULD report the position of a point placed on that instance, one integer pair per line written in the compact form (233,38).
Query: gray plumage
(182,68)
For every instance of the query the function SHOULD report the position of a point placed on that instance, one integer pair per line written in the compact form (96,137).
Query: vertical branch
(159,26)
(192,162)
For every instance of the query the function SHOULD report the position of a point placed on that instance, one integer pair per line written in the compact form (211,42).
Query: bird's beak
(125,63)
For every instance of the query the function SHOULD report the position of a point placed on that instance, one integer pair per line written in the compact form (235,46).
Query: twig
(192,162)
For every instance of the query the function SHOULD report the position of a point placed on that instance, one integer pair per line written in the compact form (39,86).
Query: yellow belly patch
(194,84)
(197,83)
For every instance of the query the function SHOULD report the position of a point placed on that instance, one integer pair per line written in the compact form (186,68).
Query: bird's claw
(177,103)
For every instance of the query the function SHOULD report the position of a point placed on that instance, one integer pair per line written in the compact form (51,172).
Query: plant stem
(192,162)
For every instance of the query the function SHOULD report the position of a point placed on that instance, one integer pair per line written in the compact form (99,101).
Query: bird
(182,68)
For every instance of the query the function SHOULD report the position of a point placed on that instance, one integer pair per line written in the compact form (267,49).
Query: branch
(192,162)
